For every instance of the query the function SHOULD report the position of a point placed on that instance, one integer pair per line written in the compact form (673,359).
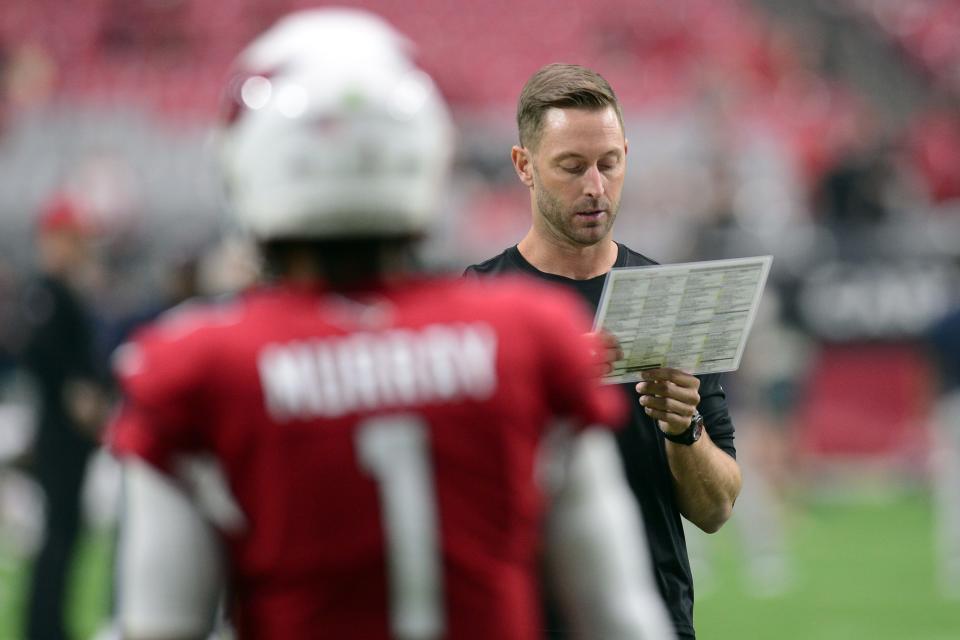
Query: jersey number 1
(395,450)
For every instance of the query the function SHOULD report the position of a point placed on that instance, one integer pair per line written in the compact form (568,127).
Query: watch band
(691,434)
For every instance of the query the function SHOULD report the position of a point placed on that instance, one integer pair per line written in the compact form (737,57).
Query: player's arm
(596,548)
(169,561)
(707,480)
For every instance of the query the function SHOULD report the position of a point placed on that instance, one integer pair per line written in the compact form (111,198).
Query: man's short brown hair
(561,86)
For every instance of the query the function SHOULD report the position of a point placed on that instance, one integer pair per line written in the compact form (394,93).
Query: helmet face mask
(333,142)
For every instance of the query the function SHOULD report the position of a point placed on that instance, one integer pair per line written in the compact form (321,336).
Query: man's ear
(522,164)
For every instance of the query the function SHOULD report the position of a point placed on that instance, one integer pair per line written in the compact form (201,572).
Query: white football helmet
(335,131)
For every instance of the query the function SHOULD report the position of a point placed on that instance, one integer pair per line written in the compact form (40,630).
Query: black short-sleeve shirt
(642,445)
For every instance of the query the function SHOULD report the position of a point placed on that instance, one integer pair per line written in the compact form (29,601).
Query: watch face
(697,430)
(696,427)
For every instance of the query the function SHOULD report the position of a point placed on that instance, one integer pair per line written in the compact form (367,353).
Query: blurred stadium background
(825,132)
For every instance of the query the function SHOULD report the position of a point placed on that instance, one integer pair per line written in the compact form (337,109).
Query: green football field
(864,571)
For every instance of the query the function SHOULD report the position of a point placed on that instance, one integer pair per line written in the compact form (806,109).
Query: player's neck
(344,265)
(578,262)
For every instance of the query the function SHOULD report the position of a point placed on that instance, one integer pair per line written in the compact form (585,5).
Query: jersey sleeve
(161,413)
(716,413)
(571,365)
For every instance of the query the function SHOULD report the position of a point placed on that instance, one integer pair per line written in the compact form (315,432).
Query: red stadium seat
(866,402)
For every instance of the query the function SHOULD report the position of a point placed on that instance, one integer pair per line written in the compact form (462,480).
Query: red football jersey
(381,447)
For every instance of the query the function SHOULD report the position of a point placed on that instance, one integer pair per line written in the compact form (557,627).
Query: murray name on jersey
(333,376)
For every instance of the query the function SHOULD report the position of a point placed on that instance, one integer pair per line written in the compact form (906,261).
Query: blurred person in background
(8,318)
(60,356)
(677,446)
(853,192)
(943,340)
(352,448)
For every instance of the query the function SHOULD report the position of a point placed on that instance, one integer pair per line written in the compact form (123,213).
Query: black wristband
(691,434)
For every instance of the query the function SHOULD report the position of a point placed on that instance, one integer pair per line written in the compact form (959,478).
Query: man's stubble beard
(561,222)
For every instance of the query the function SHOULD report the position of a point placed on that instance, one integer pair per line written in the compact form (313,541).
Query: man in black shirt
(59,354)
(678,448)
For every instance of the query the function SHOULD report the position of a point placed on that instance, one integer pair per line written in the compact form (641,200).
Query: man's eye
(573,168)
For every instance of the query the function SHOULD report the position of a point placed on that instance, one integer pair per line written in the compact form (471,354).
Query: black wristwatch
(691,434)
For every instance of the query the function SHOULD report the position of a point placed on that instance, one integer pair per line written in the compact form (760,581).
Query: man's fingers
(666,389)
(606,349)
(670,397)
(612,344)
(667,421)
(668,405)
(609,342)
(676,376)
(608,339)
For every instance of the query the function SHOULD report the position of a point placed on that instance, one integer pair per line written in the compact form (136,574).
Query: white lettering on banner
(330,377)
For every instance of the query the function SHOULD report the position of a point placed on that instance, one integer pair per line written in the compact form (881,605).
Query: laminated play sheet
(694,316)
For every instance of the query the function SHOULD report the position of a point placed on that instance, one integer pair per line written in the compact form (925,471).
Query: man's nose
(593,182)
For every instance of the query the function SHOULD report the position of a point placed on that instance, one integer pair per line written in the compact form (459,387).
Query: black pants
(60,463)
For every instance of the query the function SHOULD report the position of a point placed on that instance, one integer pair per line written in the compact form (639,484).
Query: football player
(353,450)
